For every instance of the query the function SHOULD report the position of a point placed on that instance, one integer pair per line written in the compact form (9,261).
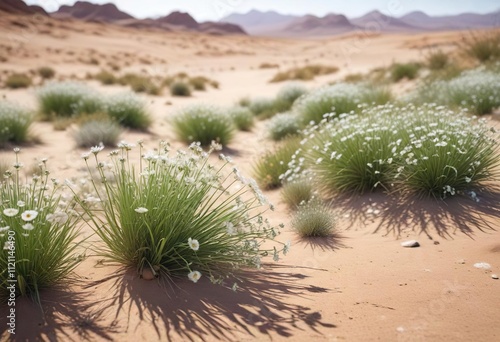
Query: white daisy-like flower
(57,217)
(141,210)
(193,244)
(29,215)
(97,149)
(10,212)
(194,276)
(4,229)
(21,204)
(467,179)
(28,226)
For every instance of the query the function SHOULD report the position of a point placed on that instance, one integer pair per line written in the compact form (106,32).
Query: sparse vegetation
(314,219)
(298,192)
(437,60)
(483,47)
(242,117)
(404,70)
(97,131)
(180,88)
(46,72)
(106,77)
(18,80)
(15,123)
(305,73)
(284,125)
(129,110)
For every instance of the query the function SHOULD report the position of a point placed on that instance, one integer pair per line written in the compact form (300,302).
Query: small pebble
(461,261)
(410,243)
(483,265)
(400,329)
(494,276)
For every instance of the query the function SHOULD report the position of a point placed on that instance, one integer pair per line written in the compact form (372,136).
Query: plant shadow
(190,312)
(332,242)
(64,315)
(397,215)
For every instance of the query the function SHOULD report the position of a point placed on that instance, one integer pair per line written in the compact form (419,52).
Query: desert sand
(359,285)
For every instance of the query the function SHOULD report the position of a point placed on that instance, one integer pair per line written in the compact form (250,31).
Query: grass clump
(297,192)
(290,92)
(484,48)
(38,237)
(67,99)
(204,124)
(97,130)
(242,117)
(17,81)
(305,73)
(15,123)
(314,219)
(180,88)
(404,70)
(129,110)
(283,125)
(426,150)
(338,98)
(46,72)
(179,216)
(437,60)
(106,77)
(270,166)
(140,84)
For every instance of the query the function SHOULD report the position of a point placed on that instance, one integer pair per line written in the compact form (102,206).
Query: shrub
(129,110)
(199,82)
(297,192)
(242,117)
(478,90)
(16,81)
(38,235)
(140,84)
(179,215)
(427,150)
(437,60)
(283,125)
(15,123)
(314,219)
(268,66)
(180,88)
(95,132)
(484,48)
(291,92)
(46,72)
(106,77)
(305,73)
(405,70)
(338,98)
(273,164)
(67,99)
(204,124)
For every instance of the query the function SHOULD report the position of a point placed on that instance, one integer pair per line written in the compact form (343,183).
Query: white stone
(494,276)
(410,243)
(482,265)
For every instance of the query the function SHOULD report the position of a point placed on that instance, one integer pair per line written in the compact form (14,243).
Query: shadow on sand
(184,311)
(393,215)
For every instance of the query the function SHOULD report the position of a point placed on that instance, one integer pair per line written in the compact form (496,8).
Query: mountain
(92,12)
(376,21)
(179,19)
(452,22)
(311,25)
(19,7)
(257,22)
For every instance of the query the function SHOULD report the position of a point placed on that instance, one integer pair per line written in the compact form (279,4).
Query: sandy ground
(359,285)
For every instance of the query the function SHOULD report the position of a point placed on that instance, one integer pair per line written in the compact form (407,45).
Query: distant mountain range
(275,24)
(269,23)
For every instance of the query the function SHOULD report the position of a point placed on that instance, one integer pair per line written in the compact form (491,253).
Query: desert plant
(140,84)
(437,60)
(129,110)
(242,117)
(38,236)
(17,80)
(180,88)
(106,77)
(291,92)
(297,192)
(338,98)
(404,70)
(46,72)
(178,215)
(67,99)
(283,125)
(314,219)
(15,123)
(98,131)
(305,73)
(204,124)
(483,47)
(271,165)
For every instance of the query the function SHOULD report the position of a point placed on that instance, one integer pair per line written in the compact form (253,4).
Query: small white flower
(4,229)
(28,226)
(29,215)
(193,244)
(194,276)
(97,149)
(467,179)
(57,217)
(141,210)
(85,156)
(21,204)
(10,212)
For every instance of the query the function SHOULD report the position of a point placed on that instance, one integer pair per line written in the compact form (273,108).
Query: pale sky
(203,10)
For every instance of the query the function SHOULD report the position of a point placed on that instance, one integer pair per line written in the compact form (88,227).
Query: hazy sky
(216,9)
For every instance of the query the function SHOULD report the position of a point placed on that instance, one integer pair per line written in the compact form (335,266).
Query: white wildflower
(141,210)
(10,212)
(194,276)
(28,226)
(29,215)
(193,244)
